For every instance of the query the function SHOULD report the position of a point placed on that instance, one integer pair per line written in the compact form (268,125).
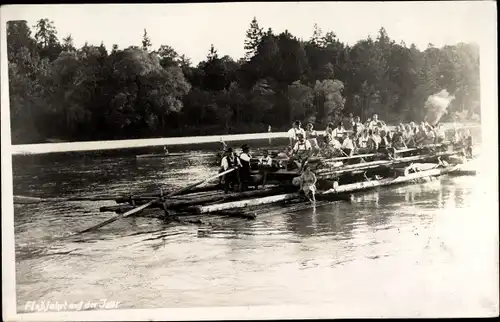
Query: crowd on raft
(345,139)
(341,140)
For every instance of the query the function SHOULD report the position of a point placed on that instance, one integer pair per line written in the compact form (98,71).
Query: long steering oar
(29,200)
(136,210)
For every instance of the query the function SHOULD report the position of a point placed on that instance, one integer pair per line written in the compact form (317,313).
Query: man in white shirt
(373,123)
(229,161)
(358,126)
(301,151)
(347,145)
(265,164)
(338,131)
(296,129)
(244,159)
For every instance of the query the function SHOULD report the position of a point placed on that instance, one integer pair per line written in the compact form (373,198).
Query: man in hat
(229,160)
(244,171)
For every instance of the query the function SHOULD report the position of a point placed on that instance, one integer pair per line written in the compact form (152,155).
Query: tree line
(61,92)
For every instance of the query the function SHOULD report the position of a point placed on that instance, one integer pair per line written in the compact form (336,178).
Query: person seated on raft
(440,133)
(421,137)
(265,165)
(296,129)
(347,145)
(244,170)
(311,136)
(407,134)
(456,138)
(376,135)
(362,141)
(414,128)
(284,156)
(358,126)
(328,133)
(336,147)
(399,132)
(308,184)
(373,123)
(349,123)
(229,160)
(399,143)
(339,131)
(301,151)
(468,141)
(431,134)
(383,144)
(372,143)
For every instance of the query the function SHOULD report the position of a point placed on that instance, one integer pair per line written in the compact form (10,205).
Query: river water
(413,250)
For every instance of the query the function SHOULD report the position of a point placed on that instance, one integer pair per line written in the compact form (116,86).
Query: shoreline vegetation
(92,93)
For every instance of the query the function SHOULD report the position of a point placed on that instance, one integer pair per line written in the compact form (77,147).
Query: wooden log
(379,164)
(178,204)
(213,187)
(244,203)
(354,157)
(29,200)
(388,181)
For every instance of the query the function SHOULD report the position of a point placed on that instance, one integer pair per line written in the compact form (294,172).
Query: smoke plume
(436,106)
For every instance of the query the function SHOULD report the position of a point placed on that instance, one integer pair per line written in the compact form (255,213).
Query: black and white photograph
(239,160)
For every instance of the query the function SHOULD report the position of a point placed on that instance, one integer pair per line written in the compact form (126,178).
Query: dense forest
(61,92)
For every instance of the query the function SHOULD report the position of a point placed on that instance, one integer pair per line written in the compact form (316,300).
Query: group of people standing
(240,177)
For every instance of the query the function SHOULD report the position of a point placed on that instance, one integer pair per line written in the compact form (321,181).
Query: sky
(191,28)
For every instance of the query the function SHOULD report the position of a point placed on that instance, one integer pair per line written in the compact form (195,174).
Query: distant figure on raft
(294,131)
(301,151)
(244,172)
(308,184)
(230,161)
(265,164)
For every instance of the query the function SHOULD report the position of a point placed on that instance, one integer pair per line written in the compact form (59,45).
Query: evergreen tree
(253,37)
(146,42)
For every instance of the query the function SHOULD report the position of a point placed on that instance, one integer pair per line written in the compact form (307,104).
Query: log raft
(338,178)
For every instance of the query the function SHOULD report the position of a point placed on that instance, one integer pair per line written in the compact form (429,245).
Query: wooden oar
(136,210)
(30,200)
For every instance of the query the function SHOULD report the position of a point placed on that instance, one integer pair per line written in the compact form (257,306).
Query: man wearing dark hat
(229,161)
(244,172)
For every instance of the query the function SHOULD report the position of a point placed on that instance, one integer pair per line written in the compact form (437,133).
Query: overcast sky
(191,28)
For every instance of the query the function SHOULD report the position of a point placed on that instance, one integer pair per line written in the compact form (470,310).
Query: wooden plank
(356,156)
(389,181)
(246,203)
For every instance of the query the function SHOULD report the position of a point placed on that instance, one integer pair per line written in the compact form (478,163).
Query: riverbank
(25,149)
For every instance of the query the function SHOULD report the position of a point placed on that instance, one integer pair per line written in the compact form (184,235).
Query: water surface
(422,248)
